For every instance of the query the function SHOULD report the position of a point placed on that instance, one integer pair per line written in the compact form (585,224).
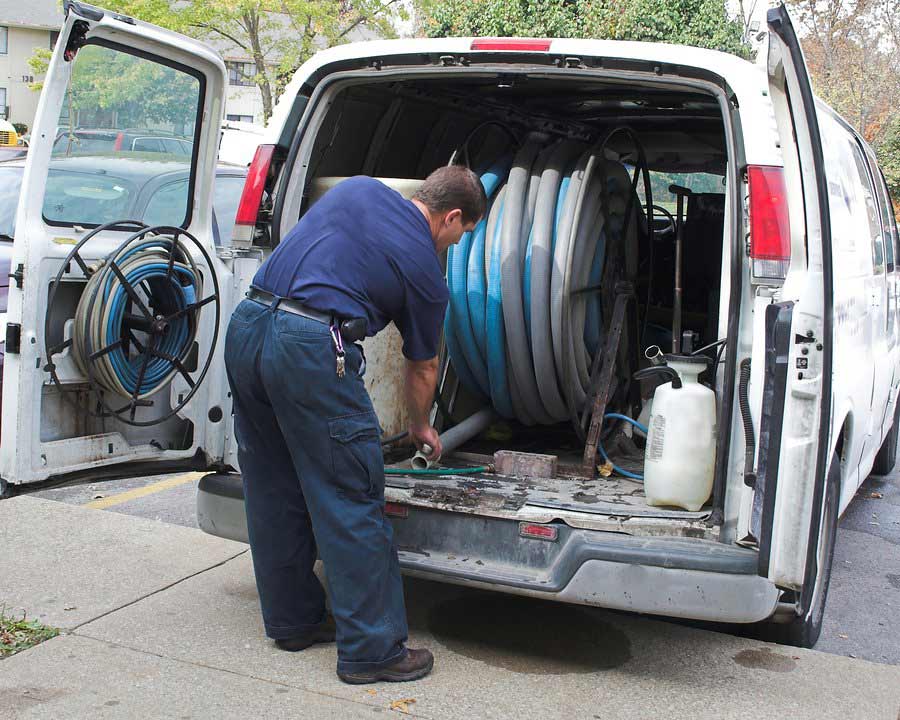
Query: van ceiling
(680,129)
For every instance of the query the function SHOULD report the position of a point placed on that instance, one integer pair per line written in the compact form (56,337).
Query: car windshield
(93,198)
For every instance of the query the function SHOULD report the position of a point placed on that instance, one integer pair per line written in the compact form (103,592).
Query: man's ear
(453,215)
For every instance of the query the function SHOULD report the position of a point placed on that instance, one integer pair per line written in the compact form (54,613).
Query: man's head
(453,201)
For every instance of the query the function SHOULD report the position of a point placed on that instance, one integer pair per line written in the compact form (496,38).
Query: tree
(889,158)
(852,54)
(704,23)
(278,35)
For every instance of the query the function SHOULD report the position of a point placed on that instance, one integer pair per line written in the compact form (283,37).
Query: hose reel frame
(109,267)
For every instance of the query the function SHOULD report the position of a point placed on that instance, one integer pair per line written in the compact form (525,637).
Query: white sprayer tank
(679,461)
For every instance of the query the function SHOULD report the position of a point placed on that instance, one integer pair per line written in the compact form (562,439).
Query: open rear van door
(112,326)
(794,460)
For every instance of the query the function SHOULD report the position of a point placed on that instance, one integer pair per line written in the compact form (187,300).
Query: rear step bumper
(679,577)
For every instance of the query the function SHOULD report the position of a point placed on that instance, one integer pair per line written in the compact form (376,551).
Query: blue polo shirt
(363,250)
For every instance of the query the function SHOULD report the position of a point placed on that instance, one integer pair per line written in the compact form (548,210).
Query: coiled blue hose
(532,389)
(169,288)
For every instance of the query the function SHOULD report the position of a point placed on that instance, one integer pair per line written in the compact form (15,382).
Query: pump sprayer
(679,460)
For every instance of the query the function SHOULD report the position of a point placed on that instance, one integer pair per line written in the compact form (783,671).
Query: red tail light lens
(515,44)
(538,532)
(397,510)
(770,226)
(251,197)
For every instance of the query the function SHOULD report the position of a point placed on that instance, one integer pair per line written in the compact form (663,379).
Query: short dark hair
(451,187)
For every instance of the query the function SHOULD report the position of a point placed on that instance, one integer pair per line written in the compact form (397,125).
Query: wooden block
(519,464)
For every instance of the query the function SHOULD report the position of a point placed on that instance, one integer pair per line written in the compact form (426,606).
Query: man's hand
(420,383)
(427,436)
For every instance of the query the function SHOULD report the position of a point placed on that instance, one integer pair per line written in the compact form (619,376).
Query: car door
(110,71)
(794,439)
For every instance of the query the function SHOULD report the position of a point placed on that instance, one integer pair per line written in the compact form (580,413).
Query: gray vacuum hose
(457,435)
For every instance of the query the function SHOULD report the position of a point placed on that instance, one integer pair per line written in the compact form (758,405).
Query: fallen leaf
(842,636)
(402,705)
(795,657)
(605,470)
(70,607)
(372,692)
(98,496)
(876,496)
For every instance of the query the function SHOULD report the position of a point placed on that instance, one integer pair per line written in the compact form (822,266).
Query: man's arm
(419,386)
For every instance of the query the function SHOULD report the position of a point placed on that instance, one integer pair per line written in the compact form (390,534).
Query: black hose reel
(136,322)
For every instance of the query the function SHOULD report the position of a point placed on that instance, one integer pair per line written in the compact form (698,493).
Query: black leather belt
(292,306)
(352,329)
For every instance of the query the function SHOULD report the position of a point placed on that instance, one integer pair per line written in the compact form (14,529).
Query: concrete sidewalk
(163,621)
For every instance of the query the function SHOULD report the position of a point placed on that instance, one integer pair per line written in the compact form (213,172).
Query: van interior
(666,133)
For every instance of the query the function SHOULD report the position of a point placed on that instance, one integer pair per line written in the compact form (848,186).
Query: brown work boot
(416,664)
(322,633)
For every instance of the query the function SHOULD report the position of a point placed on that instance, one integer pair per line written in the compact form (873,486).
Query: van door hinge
(13,338)
(572,62)
(18,275)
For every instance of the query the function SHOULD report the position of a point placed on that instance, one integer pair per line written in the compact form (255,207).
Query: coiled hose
(520,329)
(107,321)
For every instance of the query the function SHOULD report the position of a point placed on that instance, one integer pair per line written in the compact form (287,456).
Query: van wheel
(803,631)
(887,455)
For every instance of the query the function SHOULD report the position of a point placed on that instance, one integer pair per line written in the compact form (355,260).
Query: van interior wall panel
(408,128)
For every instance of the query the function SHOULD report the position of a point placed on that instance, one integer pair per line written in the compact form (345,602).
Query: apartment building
(24,26)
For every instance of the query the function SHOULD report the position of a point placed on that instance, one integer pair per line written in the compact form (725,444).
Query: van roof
(743,76)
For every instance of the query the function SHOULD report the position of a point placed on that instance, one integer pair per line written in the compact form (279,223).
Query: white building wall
(16,73)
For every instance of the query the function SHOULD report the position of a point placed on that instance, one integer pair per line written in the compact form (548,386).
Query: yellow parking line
(144,491)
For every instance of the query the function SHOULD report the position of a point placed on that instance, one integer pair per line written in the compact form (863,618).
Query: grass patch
(18,634)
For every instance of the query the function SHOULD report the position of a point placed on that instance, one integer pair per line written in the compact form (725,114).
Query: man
(308,439)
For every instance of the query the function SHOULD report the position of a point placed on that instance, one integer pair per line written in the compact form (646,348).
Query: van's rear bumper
(679,577)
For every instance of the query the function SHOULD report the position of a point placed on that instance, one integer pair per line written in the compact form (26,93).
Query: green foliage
(888,151)
(21,128)
(20,634)
(703,23)
(135,91)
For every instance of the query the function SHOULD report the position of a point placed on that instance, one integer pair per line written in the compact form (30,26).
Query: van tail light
(514,44)
(770,226)
(397,510)
(251,197)
(538,531)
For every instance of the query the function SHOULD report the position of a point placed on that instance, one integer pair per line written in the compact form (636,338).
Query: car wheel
(887,455)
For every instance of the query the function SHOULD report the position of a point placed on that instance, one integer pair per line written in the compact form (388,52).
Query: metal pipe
(680,193)
(457,435)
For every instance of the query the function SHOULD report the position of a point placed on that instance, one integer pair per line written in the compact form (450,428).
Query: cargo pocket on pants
(356,454)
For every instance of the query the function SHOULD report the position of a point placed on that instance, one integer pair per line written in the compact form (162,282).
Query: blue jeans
(310,455)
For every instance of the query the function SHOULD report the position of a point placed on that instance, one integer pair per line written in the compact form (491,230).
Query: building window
(241,73)
(4,111)
(54,36)
(4,41)
(240,118)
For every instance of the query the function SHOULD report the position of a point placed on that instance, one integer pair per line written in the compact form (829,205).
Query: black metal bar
(105,350)
(59,348)
(141,374)
(190,308)
(129,288)
(81,264)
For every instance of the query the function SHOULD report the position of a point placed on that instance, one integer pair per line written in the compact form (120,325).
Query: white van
(786,267)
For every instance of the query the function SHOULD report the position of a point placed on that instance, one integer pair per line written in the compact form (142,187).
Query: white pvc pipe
(457,435)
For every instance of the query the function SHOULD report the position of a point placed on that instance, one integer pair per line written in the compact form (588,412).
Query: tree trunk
(251,22)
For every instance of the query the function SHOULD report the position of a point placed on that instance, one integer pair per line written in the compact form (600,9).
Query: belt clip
(338,347)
